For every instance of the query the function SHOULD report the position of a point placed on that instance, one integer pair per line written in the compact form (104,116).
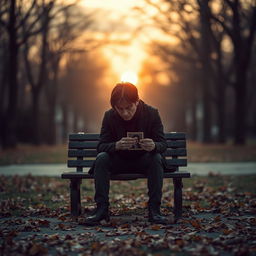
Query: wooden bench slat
(128,176)
(96,136)
(176,144)
(83,144)
(80,163)
(176,152)
(176,162)
(175,136)
(82,153)
(88,163)
(93,144)
(82,137)
(93,152)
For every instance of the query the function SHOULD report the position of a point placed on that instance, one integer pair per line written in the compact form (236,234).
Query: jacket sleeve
(106,142)
(158,133)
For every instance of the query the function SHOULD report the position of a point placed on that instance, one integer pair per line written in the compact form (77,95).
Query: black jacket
(146,119)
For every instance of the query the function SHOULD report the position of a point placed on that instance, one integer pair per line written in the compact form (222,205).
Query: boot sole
(96,223)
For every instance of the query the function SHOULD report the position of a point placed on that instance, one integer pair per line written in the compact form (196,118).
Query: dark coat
(146,119)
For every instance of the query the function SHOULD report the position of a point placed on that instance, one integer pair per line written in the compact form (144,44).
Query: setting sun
(129,76)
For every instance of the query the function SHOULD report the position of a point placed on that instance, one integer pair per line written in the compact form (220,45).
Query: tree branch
(167,51)
(250,39)
(25,18)
(224,26)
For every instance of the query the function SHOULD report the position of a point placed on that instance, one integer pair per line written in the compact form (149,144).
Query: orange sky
(119,15)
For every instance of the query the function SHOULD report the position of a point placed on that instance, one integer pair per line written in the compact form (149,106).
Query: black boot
(155,216)
(100,213)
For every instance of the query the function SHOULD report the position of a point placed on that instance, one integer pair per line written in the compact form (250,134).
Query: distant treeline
(211,62)
(50,77)
(45,69)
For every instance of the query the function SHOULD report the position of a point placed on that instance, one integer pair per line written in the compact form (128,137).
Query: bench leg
(75,198)
(177,182)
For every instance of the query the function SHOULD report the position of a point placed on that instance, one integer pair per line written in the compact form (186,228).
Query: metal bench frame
(82,147)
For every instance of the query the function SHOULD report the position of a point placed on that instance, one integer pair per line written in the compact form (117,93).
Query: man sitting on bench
(117,154)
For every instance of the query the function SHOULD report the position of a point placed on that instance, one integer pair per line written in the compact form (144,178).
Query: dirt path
(238,168)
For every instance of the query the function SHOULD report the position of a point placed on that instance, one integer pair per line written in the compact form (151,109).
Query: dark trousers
(149,164)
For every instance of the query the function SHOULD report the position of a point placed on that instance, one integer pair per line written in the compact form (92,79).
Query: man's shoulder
(109,113)
(150,108)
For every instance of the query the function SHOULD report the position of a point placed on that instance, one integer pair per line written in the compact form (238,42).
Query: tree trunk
(52,94)
(206,69)
(65,122)
(3,96)
(75,121)
(9,129)
(221,96)
(243,49)
(207,114)
(240,108)
(38,83)
(51,125)
(181,118)
(193,128)
(221,117)
(36,118)
(3,87)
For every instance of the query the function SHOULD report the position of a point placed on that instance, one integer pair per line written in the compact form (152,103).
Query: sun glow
(129,76)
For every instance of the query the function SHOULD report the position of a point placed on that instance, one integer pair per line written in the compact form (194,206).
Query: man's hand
(147,144)
(125,143)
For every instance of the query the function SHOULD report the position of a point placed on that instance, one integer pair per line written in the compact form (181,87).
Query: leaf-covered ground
(218,219)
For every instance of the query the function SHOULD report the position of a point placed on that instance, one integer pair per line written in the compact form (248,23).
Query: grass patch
(198,152)
(28,154)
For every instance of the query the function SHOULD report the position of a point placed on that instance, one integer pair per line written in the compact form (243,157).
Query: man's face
(126,109)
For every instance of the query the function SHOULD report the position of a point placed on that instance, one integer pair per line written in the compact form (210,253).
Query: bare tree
(239,22)
(201,28)
(3,66)
(205,55)
(16,14)
(189,23)
(61,24)
(62,42)
(37,83)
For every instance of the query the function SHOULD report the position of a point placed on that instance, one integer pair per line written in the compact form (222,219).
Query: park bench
(82,147)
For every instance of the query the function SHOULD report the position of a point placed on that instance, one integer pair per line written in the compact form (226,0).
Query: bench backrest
(82,147)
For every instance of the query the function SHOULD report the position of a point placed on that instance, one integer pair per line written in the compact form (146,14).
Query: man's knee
(157,158)
(156,166)
(102,158)
(102,164)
